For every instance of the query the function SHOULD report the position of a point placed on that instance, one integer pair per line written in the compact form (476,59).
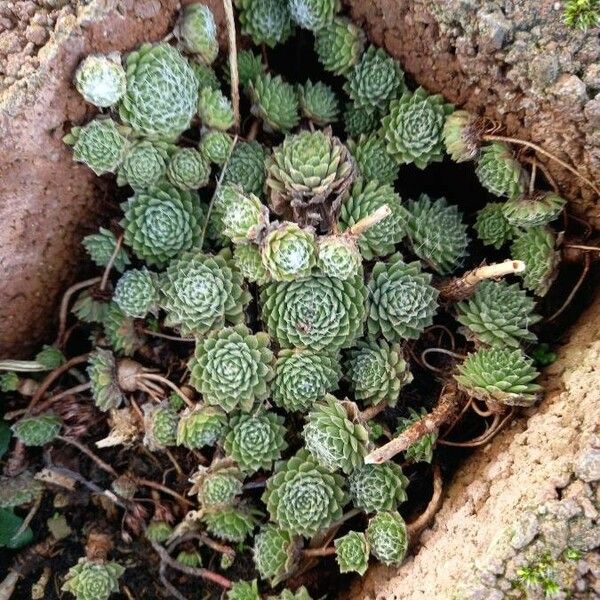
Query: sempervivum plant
(161,222)
(373,160)
(339,45)
(188,169)
(492,227)
(308,173)
(248,260)
(303,497)
(37,430)
(93,580)
(232,368)
(215,146)
(100,79)
(374,488)
(255,441)
(360,119)
(144,164)
(160,425)
(197,32)
(503,375)
(242,215)
(275,102)
(413,128)
(246,167)
(461,136)
(364,200)
(498,314)
(499,171)
(536,248)
(136,293)
(339,256)
(101,247)
(249,65)
(276,553)
(317,313)
(230,523)
(265,21)
(318,103)
(102,371)
(402,301)
(388,537)
(313,14)
(375,79)
(532,210)
(244,590)
(352,553)
(214,109)
(220,488)
(162,91)
(333,438)
(201,292)
(201,426)
(205,75)
(303,377)
(288,252)
(422,449)
(437,233)
(376,372)
(101,144)
(121,332)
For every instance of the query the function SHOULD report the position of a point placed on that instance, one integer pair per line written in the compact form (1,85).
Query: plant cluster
(252,277)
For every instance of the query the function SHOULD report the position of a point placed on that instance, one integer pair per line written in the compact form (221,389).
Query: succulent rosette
(37,430)
(248,260)
(318,103)
(246,167)
(339,45)
(375,488)
(93,580)
(136,293)
(387,537)
(188,169)
(462,136)
(492,227)
(499,171)
(196,31)
(231,523)
(352,553)
(100,79)
(373,160)
(265,21)
(339,256)
(215,146)
(102,371)
(201,426)
(101,247)
(275,102)
(359,120)
(144,164)
(313,14)
(214,109)
(533,210)
(288,252)
(276,553)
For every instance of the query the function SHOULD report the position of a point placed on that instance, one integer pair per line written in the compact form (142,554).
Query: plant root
(565,304)
(422,521)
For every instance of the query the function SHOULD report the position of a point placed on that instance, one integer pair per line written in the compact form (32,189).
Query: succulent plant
(265,21)
(376,372)
(255,441)
(274,101)
(215,110)
(158,531)
(249,65)
(100,79)
(90,308)
(498,314)
(421,450)
(162,92)
(102,371)
(339,45)
(333,438)
(230,523)
(288,252)
(215,146)
(144,164)
(313,14)
(360,120)
(492,227)
(413,128)
(302,377)
(248,260)
(317,313)
(276,553)
(246,167)
(503,375)
(162,222)
(302,497)
(437,233)
(121,332)
(536,248)
(93,580)
(375,488)
(402,301)
(533,210)
(300,594)
(318,103)
(100,248)
(373,160)
(352,552)
(364,200)
(582,14)
(499,171)
(205,75)
(338,256)
(189,558)
(232,368)
(461,136)
(136,293)
(101,145)
(9,381)
(242,214)
(244,590)
(308,175)
(200,426)
(196,31)
(387,537)
(160,425)
(375,79)
(37,430)
(50,357)
(188,169)
(18,490)
(201,292)
(218,488)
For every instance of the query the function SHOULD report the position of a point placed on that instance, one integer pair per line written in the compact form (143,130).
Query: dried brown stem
(233,66)
(316,552)
(27,520)
(164,336)
(110,264)
(64,307)
(534,164)
(375,217)
(161,379)
(448,404)
(586,248)
(216,546)
(423,520)
(82,387)
(496,426)
(254,130)
(83,448)
(163,488)
(584,272)
(372,411)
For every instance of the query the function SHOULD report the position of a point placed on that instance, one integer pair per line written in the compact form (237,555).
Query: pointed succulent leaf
(300,594)
(89,308)
(188,169)
(352,553)
(215,110)
(205,75)
(249,65)
(37,430)
(93,580)
(499,171)
(374,488)
(230,523)
(275,102)
(533,210)
(18,490)
(421,450)
(246,167)
(200,426)
(318,103)
(276,554)
(244,590)
(339,45)
(492,227)
(121,332)
(158,531)
(136,293)
(265,21)
(388,537)
(100,248)
(102,371)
